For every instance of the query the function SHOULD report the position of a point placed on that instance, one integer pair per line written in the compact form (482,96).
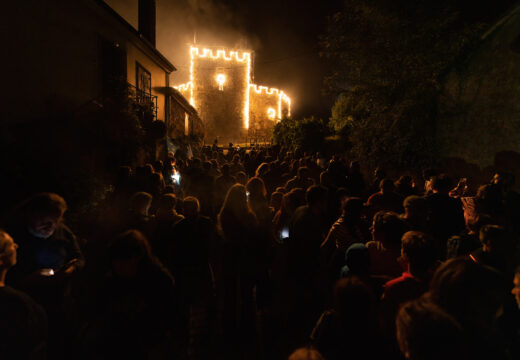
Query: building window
(186,124)
(143,83)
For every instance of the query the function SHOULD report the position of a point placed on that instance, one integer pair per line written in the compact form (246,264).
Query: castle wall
(233,109)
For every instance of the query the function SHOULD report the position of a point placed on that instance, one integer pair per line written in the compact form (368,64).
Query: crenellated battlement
(183,87)
(239,56)
(264,89)
(220,83)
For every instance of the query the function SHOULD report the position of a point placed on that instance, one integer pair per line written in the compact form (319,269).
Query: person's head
(353,301)
(128,253)
(148,169)
(158,165)
(235,202)
(225,170)
(140,202)
(470,292)
(441,184)
(340,197)
(504,179)
(352,208)
(303,172)
(489,199)
(404,183)
(326,179)
(357,260)
(306,353)
(262,169)
(418,251)
(415,207)
(316,197)
(379,173)
(256,188)
(241,177)
(428,175)
(386,186)
(494,239)
(167,202)
(157,182)
(123,175)
(355,168)
(426,332)
(387,228)
(191,206)
(292,200)
(7,250)
(276,200)
(44,212)
(516,286)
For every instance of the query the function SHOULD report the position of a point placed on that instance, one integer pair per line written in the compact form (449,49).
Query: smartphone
(47,272)
(284,234)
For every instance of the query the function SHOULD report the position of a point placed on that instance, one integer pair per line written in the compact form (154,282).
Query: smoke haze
(283,36)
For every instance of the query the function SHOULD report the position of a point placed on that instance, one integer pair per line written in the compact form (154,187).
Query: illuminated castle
(231,107)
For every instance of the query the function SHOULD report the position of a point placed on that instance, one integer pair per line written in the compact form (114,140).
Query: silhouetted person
(474,295)
(301,180)
(222,184)
(347,230)
(496,251)
(136,307)
(237,225)
(379,175)
(306,232)
(23,323)
(467,242)
(189,255)
(385,247)
(405,186)
(386,199)
(418,258)
(355,182)
(446,215)
(138,215)
(49,256)
(426,332)
(166,218)
(349,329)
(416,213)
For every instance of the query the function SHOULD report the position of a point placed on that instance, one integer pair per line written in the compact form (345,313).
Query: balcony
(145,102)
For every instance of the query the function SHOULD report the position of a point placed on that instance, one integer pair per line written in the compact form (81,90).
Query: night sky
(283,35)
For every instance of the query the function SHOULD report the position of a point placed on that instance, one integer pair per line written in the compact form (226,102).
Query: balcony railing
(144,99)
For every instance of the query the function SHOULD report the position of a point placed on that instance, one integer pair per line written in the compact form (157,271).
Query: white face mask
(40,234)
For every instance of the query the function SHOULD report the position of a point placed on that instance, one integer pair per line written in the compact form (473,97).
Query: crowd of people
(265,253)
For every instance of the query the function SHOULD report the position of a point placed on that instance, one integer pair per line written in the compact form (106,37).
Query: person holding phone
(49,256)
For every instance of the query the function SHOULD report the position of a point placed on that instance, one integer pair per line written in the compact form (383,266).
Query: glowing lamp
(221,79)
(271,113)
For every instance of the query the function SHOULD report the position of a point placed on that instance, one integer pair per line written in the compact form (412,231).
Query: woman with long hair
(237,227)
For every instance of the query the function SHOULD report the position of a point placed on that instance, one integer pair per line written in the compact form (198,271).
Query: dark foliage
(388,61)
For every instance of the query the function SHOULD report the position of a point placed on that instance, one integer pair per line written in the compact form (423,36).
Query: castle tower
(231,108)
(220,92)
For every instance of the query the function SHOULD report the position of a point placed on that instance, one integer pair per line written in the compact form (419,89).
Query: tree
(388,61)
(302,135)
